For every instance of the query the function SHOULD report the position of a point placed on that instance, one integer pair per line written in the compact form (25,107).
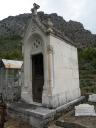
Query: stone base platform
(35,114)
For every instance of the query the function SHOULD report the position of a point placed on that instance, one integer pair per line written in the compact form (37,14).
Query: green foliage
(16,54)
(87,69)
(10,48)
(87,54)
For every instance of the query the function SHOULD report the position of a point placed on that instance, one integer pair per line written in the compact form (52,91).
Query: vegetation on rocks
(87,66)
(16,25)
(10,48)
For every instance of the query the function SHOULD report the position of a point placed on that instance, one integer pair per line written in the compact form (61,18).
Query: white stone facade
(60,63)
(65,84)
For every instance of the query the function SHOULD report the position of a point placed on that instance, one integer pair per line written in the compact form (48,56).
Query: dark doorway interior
(37,77)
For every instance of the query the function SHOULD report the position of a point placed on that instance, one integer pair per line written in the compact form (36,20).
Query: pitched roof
(45,27)
(12,64)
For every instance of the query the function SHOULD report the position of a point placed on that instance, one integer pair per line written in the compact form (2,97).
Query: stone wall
(65,72)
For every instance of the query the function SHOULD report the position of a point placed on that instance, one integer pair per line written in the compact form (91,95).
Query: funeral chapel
(51,75)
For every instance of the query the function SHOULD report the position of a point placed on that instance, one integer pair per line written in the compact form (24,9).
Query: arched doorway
(37,77)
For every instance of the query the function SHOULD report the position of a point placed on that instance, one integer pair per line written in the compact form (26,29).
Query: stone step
(37,115)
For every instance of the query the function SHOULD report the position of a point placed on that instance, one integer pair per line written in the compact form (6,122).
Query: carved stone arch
(36,46)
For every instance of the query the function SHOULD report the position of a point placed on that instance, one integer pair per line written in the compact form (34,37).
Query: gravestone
(85,110)
(92,98)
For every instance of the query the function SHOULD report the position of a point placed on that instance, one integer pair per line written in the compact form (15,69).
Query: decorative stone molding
(33,27)
(50,49)
(50,26)
(37,44)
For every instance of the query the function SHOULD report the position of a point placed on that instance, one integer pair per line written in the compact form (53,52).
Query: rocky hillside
(16,25)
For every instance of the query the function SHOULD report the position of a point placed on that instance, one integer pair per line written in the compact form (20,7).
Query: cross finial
(34,9)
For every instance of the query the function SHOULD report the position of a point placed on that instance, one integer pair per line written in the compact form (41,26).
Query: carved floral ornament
(50,49)
(37,44)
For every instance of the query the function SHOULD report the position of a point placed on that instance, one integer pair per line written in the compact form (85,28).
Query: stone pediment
(47,28)
(36,23)
(34,26)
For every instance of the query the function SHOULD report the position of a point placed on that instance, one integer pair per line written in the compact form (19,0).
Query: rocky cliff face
(16,25)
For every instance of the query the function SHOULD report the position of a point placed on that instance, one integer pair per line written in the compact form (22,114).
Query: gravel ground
(88,121)
(16,123)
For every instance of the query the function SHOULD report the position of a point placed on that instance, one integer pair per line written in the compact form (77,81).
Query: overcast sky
(77,10)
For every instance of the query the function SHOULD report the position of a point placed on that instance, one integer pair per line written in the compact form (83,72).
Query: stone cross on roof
(34,9)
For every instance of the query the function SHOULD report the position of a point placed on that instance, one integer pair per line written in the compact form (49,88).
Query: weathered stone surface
(35,114)
(92,98)
(85,110)
(60,76)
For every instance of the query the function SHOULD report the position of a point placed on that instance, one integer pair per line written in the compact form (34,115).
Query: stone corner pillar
(48,88)
(26,93)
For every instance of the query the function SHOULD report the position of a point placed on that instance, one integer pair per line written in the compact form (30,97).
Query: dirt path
(16,123)
(89,122)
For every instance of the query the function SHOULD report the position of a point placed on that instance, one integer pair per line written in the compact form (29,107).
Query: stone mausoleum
(51,76)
